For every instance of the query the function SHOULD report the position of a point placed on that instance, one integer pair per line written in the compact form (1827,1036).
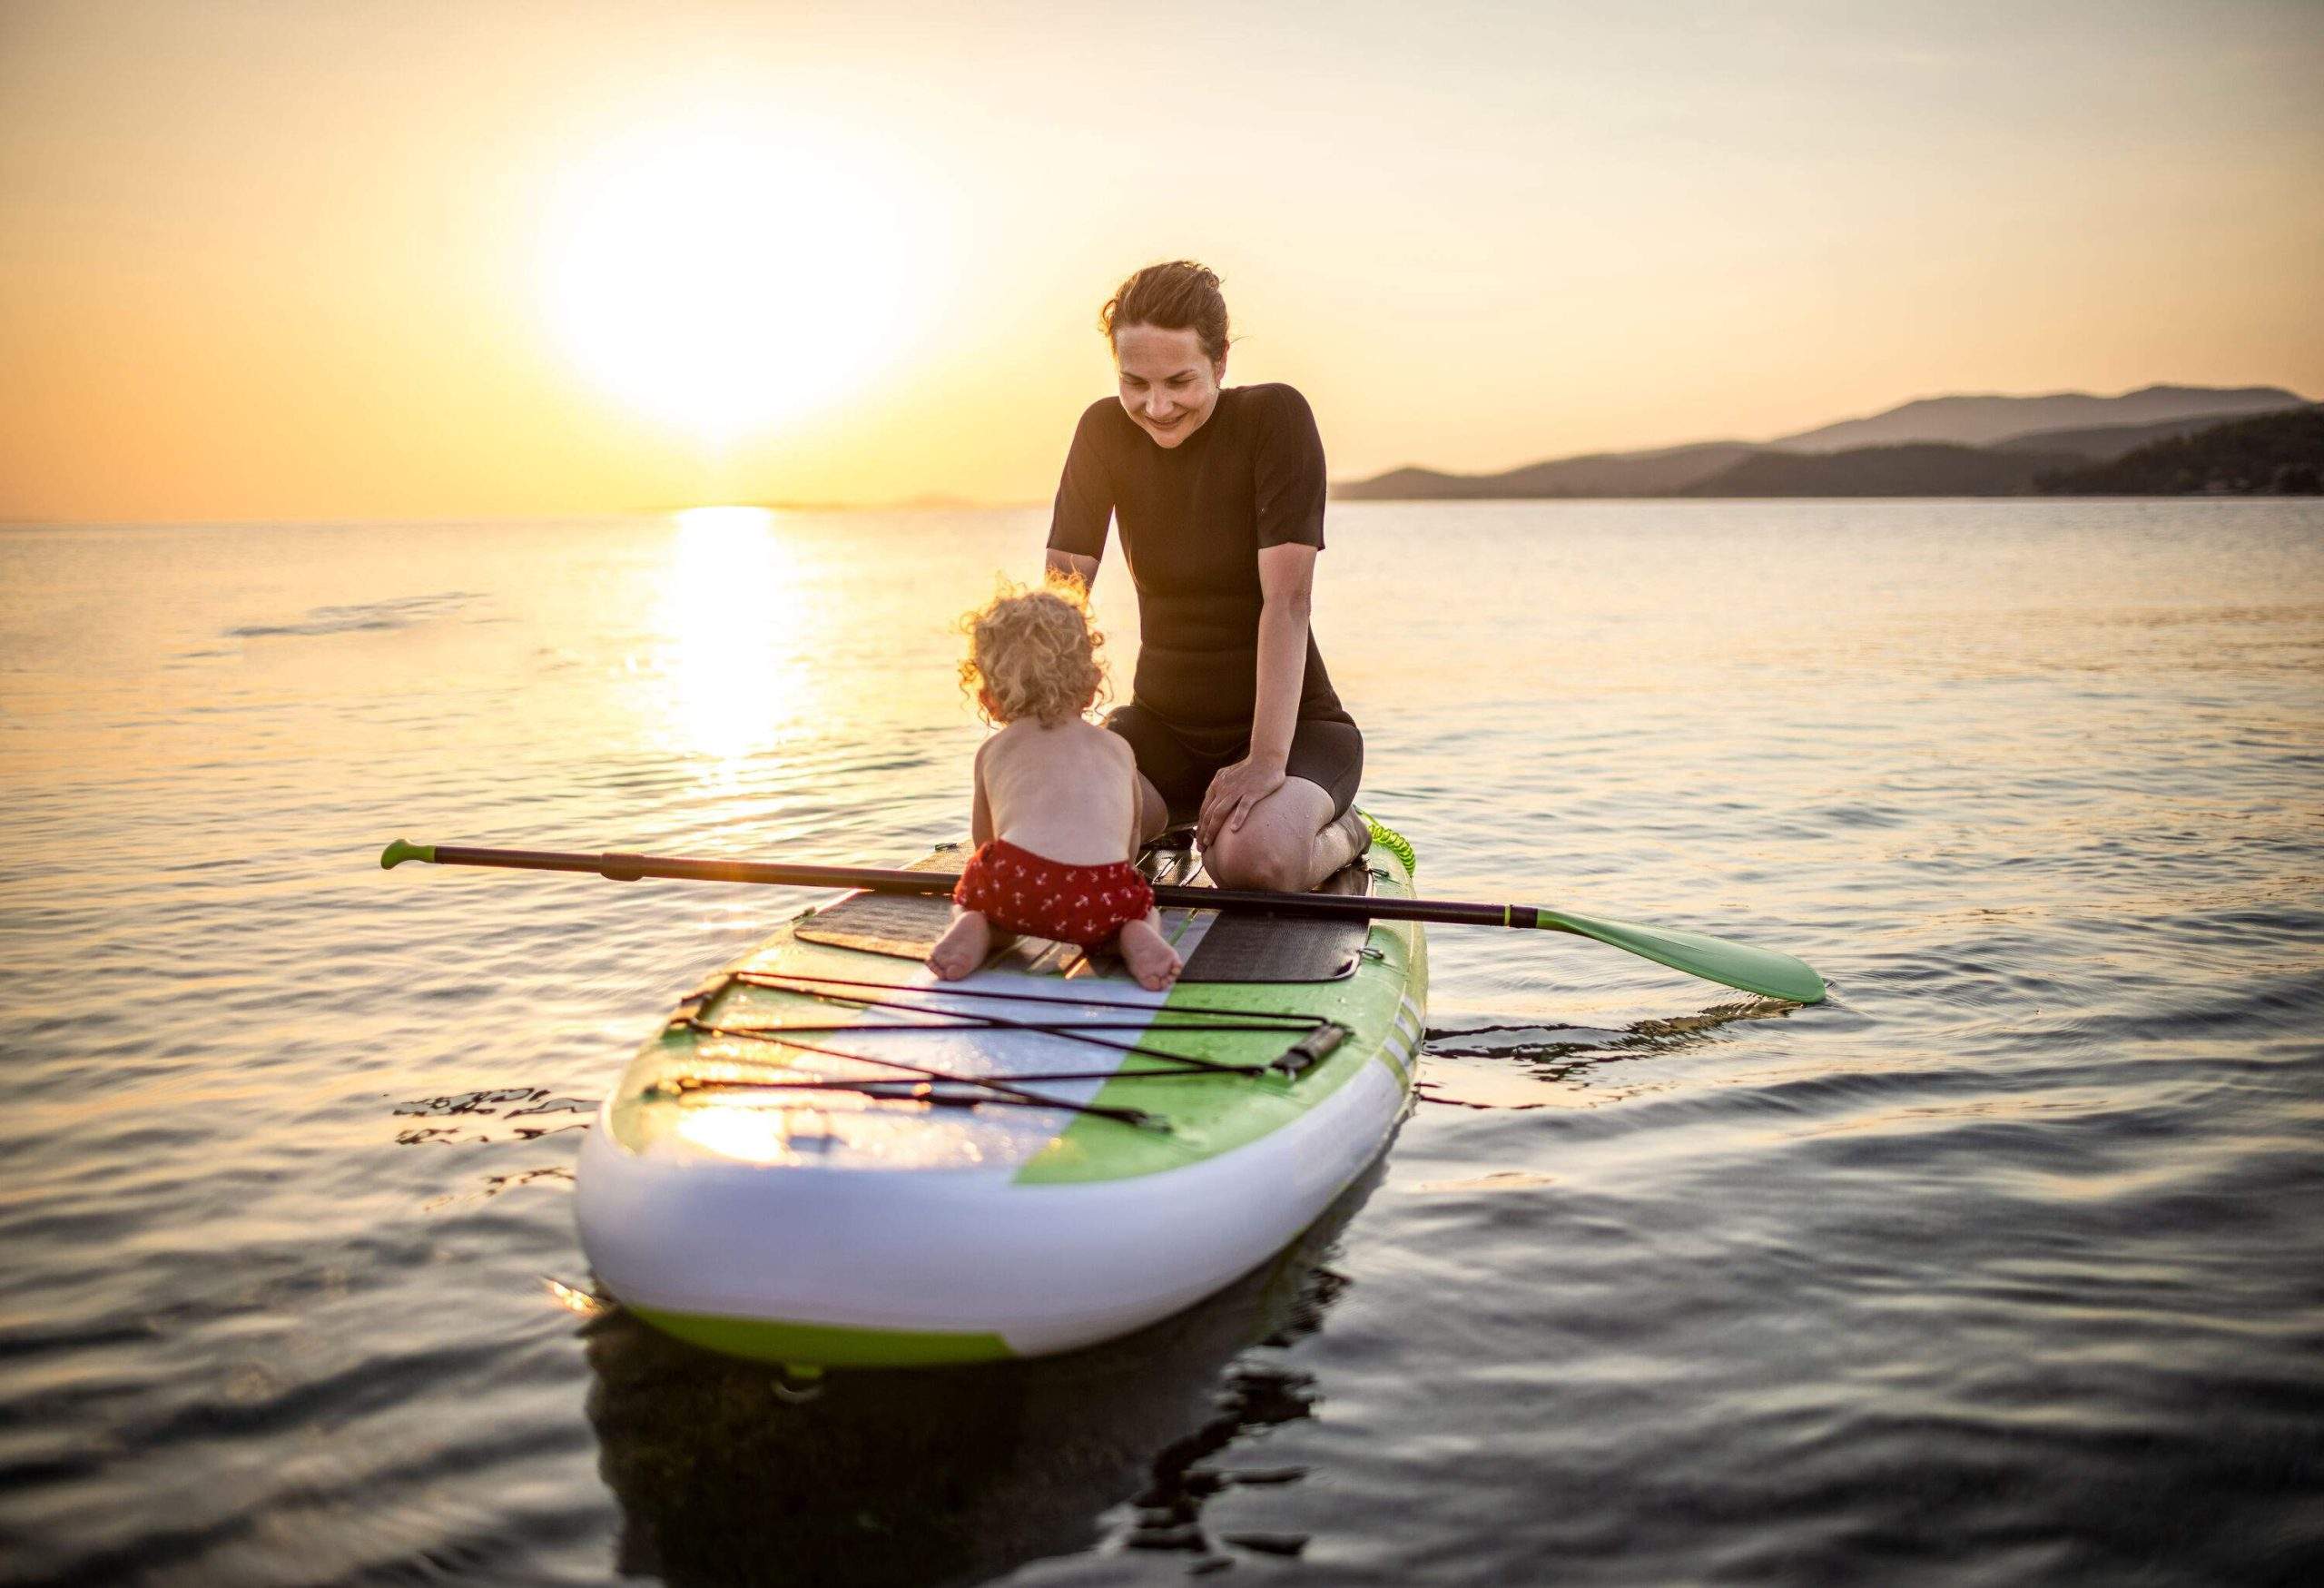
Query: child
(1055,817)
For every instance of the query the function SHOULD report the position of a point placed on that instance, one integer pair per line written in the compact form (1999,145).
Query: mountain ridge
(1983,418)
(2025,426)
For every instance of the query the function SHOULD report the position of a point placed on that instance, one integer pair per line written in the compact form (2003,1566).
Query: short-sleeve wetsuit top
(1193,518)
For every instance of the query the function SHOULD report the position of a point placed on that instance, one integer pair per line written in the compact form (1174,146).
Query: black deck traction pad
(1252,947)
(1238,947)
(906,925)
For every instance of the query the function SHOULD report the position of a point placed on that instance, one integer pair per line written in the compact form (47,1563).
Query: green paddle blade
(395,853)
(1732,964)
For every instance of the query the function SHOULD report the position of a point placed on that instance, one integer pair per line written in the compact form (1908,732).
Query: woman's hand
(1232,794)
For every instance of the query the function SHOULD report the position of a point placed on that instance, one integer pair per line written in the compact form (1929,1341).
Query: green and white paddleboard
(830,1157)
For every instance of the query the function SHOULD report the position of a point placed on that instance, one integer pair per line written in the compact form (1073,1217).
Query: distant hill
(1981,421)
(2104,443)
(1663,472)
(2278,454)
(2065,429)
(1924,469)
(2061,431)
(1416,485)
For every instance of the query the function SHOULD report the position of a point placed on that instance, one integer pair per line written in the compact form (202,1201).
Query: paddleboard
(826,1156)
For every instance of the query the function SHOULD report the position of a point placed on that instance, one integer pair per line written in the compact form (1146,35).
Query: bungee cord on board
(1313,1039)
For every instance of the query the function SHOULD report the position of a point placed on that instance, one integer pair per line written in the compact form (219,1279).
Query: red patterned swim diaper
(1019,890)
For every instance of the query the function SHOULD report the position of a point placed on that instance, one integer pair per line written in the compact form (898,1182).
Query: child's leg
(1148,953)
(967,943)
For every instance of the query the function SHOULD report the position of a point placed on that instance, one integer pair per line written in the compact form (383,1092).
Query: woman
(1219,493)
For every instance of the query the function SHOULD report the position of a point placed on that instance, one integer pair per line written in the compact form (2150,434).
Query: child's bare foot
(965,945)
(1149,954)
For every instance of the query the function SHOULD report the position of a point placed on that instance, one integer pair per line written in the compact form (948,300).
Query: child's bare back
(1069,791)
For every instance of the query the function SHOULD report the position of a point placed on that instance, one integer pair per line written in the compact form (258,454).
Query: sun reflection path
(735,630)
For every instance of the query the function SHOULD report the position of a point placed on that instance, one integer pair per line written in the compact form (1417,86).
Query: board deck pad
(1235,948)
(906,925)
(1268,948)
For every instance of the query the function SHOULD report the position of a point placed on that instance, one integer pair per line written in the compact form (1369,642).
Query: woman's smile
(1169,386)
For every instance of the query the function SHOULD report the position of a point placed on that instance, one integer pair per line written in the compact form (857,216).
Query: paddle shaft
(629,868)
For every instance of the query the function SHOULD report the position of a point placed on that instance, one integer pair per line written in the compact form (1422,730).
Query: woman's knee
(1255,858)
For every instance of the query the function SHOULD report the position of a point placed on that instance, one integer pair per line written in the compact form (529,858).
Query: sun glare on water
(724,280)
(737,630)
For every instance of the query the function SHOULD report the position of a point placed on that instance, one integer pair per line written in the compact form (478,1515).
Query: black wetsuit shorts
(1327,751)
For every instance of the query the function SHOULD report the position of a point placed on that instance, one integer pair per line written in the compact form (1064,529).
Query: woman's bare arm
(1286,588)
(1287,591)
(1068,565)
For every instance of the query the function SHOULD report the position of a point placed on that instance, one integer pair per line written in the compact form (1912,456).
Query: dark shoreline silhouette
(1966,446)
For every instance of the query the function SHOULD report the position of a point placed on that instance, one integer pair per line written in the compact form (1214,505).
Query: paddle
(1731,965)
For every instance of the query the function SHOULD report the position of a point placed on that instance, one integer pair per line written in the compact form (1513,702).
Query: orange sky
(291,259)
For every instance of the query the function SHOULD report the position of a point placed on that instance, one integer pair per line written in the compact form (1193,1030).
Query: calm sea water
(2006,1264)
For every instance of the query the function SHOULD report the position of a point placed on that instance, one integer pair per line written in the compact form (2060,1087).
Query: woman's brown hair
(1178,296)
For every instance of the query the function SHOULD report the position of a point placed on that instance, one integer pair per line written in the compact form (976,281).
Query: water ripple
(2006,1264)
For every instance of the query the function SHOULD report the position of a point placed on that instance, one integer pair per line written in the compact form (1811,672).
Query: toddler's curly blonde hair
(1033,654)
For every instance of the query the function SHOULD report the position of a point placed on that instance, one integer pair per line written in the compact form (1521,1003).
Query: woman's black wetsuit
(1193,518)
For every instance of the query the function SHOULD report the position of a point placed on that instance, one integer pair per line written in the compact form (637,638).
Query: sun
(724,280)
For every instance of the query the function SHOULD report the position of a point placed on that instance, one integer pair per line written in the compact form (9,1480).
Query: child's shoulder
(1077,735)
(1087,733)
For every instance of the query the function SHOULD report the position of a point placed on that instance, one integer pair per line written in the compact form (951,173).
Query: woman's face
(1169,384)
